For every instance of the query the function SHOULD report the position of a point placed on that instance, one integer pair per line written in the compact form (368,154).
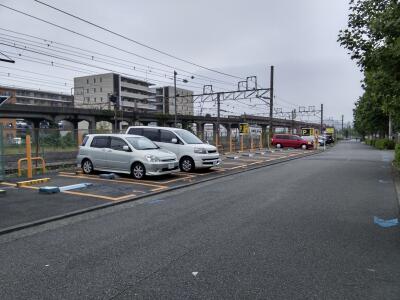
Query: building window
(101,99)
(94,99)
(87,91)
(94,90)
(101,89)
(94,80)
(87,81)
(101,80)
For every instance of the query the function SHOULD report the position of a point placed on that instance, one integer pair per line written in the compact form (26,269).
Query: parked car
(321,140)
(329,139)
(290,140)
(121,153)
(192,153)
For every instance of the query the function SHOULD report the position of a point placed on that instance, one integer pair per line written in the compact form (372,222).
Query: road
(297,230)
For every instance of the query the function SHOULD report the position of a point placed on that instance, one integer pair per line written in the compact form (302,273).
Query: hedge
(381,144)
(397,153)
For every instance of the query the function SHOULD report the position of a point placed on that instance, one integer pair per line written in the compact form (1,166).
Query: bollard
(28,156)
(79,139)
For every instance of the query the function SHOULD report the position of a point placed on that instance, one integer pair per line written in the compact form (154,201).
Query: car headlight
(200,150)
(152,158)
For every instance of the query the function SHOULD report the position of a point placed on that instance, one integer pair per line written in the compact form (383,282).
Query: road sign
(307,131)
(244,128)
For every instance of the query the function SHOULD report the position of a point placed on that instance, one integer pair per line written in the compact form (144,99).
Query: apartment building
(22,96)
(165,100)
(94,92)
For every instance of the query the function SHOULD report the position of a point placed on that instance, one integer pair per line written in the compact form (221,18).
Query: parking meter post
(28,156)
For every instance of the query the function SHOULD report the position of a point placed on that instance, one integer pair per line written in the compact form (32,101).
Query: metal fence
(59,147)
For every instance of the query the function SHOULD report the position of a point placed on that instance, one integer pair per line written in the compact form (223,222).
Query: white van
(192,153)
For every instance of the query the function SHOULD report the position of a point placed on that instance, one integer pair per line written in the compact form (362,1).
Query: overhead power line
(36,73)
(49,44)
(96,40)
(136,42)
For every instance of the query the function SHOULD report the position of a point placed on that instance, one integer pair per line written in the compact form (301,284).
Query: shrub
(382,144)
(391,145)
(397,153)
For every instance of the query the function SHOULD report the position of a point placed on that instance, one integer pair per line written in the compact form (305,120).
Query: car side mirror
(174,140)
(126,148)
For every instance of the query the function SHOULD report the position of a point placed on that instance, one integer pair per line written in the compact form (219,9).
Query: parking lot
(23,205)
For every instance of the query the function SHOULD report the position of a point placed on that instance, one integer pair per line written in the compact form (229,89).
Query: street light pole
(175,110)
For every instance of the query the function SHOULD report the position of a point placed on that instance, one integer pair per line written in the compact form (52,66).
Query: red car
(290,140)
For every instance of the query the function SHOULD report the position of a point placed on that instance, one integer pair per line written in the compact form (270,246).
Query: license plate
(171,166)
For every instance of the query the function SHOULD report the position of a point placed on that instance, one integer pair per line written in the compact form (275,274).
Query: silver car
(124,153)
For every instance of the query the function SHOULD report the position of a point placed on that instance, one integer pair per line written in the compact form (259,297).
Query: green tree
(373,40)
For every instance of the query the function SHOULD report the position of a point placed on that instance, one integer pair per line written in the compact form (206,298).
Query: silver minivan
(192,153)
(124,153)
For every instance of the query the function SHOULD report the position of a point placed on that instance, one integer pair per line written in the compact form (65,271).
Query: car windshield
(188,137)
(141,143)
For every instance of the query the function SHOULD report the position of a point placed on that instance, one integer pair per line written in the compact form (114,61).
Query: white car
(121,153)
(192,153)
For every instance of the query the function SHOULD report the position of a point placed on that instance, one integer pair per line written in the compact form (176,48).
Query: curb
(106,205)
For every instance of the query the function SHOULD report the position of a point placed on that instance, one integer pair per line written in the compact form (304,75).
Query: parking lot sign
(330,130)
(307,131)
(244,128)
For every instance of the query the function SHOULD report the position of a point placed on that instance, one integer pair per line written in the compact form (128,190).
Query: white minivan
(192,153)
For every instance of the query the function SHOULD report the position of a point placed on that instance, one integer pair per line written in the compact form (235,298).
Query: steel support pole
(322,119)
(175,110)
(218,117)
(271,105)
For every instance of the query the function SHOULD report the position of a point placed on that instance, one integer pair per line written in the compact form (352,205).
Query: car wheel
(304,147)
(87,166)
(278,146)
(186,164)
(138,170)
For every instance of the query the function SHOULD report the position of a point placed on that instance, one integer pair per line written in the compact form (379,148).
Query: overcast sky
(242,38)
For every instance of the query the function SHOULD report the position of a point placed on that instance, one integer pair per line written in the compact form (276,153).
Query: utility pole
(271,105)
(121,108)
(322,119)
(218,116)
(342,126)
(175,120)
(293,118)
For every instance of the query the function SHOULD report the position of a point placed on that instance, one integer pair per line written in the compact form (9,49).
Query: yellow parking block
(32,182)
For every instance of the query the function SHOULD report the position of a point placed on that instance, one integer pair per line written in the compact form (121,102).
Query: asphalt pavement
(298,230)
